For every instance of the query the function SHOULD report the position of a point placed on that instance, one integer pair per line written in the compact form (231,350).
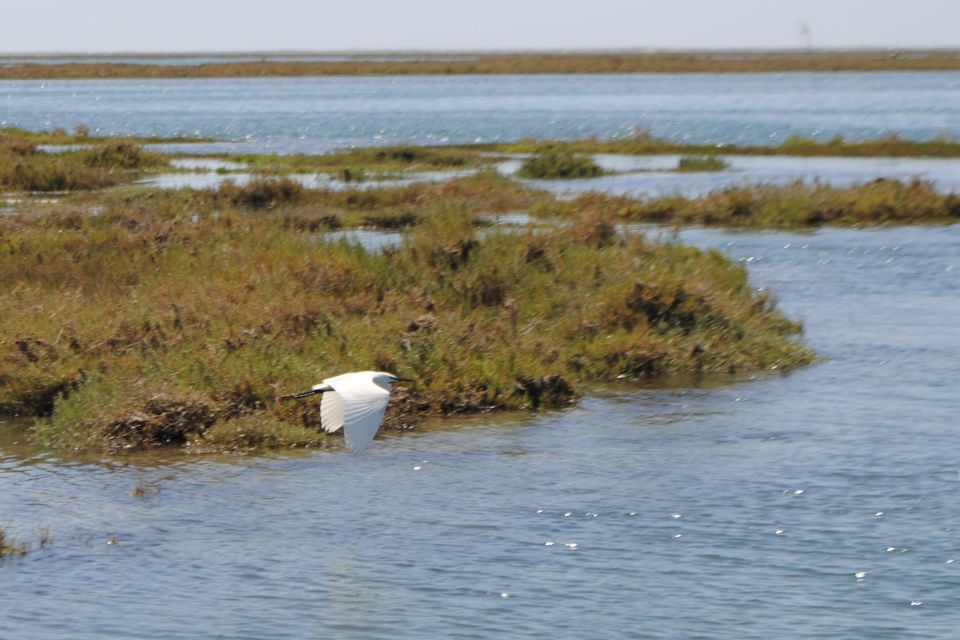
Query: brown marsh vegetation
(520,63)
(180,318)
(794,206)
(642,142)
(24,167)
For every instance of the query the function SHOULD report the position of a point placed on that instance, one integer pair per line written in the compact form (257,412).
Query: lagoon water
(317,114)
(820,504)
(824,503)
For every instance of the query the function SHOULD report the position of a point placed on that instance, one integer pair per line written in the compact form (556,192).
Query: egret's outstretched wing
(331,411)
(364,404)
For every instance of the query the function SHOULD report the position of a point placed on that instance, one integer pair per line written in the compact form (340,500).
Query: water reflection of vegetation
(10,546)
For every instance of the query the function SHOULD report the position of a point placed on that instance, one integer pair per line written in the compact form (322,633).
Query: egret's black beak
(304,394)
(399,379)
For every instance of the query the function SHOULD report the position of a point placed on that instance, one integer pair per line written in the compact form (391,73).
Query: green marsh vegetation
(794,206)
(81,134)
(519,63)
(557,163)
(705,162)
(366,162)
(642,142)
(166,321)
(24,167)
(381,207)
(137,317)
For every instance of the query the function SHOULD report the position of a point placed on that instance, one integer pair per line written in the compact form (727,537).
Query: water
(635,176)
(741,511)
(821,504)
(290,115)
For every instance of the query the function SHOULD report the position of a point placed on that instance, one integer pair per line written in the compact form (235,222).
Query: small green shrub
(705,162)
(557,164)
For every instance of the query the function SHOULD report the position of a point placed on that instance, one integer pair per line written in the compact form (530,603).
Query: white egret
(355,401)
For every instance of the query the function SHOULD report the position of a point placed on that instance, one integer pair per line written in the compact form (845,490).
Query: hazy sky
(330,25)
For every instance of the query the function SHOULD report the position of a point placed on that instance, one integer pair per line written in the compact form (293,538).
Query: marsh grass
(705,162)
(261,192)
(559,163)
(642,143)
(23,167)
(794,206)
(517,63)
(148,325)
(355,164)
(82,135)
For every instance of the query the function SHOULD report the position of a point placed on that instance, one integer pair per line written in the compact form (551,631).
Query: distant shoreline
(79,66)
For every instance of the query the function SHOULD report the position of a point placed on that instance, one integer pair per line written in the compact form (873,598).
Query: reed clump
(23,167)
(559,163)
(794,206)
(174,329)
(704,162)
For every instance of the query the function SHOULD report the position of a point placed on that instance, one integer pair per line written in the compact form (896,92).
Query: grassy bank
(794,206)
(286,203)
(519,63)
(367,161)
(23,167)
(81,134)
(165,325)
(643,143)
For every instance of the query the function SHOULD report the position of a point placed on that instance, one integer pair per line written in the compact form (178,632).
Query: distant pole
(807,34)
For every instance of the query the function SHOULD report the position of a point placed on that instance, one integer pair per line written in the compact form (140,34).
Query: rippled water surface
(821,504)
(318,114)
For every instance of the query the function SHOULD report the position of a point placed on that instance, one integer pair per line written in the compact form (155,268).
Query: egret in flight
(355,401)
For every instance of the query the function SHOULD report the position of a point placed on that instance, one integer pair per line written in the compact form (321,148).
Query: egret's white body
(356,402)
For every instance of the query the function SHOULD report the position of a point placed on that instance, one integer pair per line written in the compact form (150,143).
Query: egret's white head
(385,380)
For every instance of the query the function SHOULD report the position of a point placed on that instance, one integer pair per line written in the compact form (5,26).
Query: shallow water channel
(635,176)
(824,503)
